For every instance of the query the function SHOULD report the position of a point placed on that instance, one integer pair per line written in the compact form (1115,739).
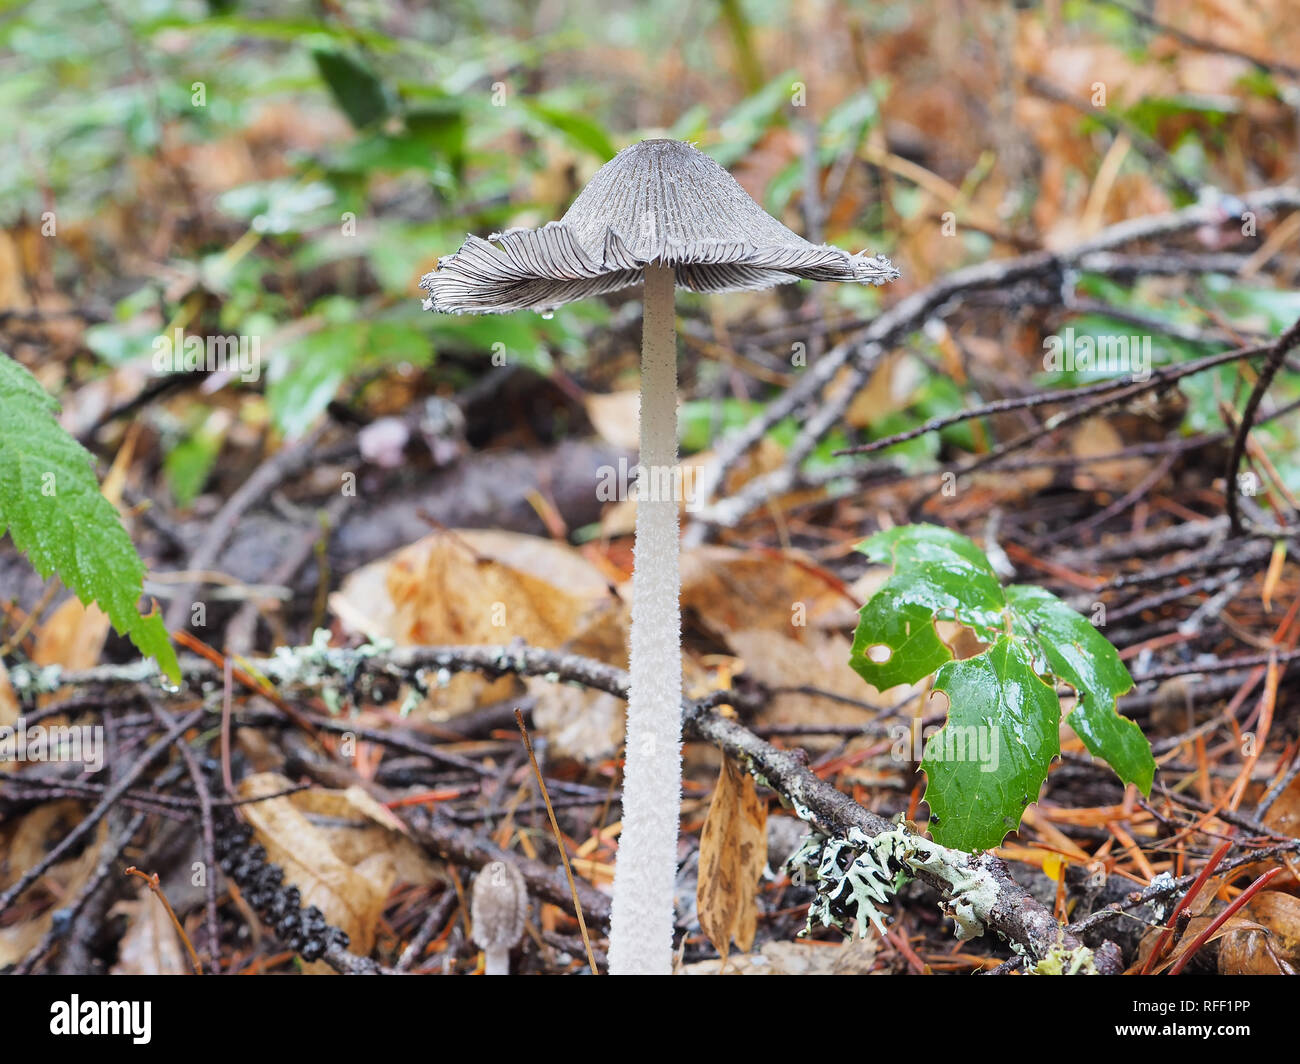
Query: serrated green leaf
(937,574)
(1082,657)
(50,503)
(1003,700)
(988,762)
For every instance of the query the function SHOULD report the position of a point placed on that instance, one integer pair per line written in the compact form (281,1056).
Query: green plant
(50,503)
(990,759)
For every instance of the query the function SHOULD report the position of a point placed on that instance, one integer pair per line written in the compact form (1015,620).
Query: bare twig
(559,841)
(1268,371)
(151,880)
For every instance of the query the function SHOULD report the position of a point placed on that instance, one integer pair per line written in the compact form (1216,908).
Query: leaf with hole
(990,760)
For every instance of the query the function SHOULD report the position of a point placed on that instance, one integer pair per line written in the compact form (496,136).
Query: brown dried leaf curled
(733,853)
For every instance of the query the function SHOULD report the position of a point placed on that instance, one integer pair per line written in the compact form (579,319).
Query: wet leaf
(1003,697)
(1081,656)
(349,886)
(50,503)
(988,762)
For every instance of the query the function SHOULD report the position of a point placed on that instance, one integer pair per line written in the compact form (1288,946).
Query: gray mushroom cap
(656,201)
(498,906)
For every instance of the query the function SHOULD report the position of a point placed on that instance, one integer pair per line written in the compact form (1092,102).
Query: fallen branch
(827,406)
(980,886)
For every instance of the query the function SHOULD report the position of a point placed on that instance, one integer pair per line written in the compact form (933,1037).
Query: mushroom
(497,911)
(660,213)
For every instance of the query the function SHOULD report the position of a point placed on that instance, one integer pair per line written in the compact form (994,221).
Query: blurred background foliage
(288,171)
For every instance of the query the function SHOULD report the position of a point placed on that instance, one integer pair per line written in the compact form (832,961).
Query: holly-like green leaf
(938,574)
(51,505)
(944,570)
(1082,657)
(1003,700)
(988,762)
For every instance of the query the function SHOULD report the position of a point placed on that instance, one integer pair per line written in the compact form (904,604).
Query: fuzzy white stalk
(641,917)
(496,960)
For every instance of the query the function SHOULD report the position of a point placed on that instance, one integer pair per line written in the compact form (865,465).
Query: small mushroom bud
(498,909)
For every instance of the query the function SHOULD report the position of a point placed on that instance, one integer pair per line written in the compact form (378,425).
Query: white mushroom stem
(496,960)
(641,918)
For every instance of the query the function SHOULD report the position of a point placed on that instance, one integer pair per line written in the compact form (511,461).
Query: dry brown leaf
(360,829)
(1280,913)
(793,958)
(584,725)
(821,660)
(890,389)
(13,292)
(1267,942)
(350,887)
(1283,815)
(619,517)
(731,590)
(475,587)
(857,956)
(616,418)
(24,843)
(72,636)
(472,586)
(1097,436)
(580,723)
(733,854)
(9,710)
(1250,952)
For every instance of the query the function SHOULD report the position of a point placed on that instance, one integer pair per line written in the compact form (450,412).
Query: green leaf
(1003,700)
(943,571)
(280,206)
(579,129)
(51,505)
(937,574)
(1082,657)
(989,761)
(307,376)
(751,118)
(355,87)
(188,464)
(906,630)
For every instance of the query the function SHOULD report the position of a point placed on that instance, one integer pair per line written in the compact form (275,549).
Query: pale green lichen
(855,875)
(1062,961)
(411,701)
(852,876)
(32,680)
(972,892)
